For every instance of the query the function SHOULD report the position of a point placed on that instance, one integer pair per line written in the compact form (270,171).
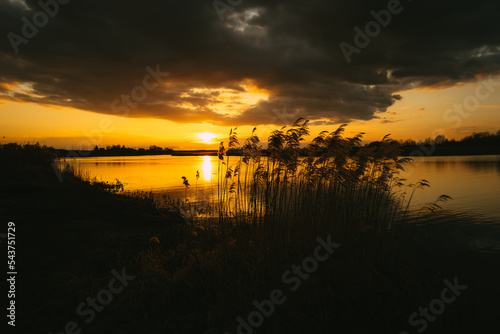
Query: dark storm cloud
(92,52)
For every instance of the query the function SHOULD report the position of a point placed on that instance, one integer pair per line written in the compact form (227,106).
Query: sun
(206,137)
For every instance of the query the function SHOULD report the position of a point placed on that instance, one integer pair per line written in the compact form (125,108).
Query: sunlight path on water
(472,181)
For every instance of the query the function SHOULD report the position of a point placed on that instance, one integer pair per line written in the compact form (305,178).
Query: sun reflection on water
(207,168)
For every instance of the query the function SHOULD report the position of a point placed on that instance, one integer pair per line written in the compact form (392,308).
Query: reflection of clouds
(207,168)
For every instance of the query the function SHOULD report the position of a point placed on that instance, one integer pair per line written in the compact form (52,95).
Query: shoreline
(214,153)
(196,278)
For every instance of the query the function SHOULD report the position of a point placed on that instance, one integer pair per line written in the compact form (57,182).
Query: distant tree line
(122,150)
(117,150)
(476,143)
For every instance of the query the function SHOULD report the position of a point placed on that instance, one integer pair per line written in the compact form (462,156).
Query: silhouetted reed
(333,185)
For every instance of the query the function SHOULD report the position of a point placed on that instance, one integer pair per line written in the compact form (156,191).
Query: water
(472,181)
(159,174)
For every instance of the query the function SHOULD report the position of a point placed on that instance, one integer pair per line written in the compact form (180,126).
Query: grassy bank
(200,278)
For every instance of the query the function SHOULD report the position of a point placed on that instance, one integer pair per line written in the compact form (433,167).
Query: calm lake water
(472,181)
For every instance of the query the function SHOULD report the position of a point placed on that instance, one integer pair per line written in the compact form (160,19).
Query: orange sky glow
(417,115)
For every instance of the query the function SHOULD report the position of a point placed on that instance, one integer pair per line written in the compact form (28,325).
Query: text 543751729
(11,273)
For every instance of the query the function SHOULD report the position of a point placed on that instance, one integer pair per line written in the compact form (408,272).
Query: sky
(75,74)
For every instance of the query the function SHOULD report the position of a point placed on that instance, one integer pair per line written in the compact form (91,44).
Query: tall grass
(270,206)
(84,175)
(333,185)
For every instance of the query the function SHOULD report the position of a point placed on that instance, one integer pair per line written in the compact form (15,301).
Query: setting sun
(206,137)
(228,166)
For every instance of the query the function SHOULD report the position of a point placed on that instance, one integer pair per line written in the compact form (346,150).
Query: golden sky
(107,73)
(417,115)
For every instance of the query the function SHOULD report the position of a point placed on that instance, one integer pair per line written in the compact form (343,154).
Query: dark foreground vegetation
(201,277)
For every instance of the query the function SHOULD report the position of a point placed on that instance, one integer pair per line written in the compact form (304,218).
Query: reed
(333,185)
(271,204)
